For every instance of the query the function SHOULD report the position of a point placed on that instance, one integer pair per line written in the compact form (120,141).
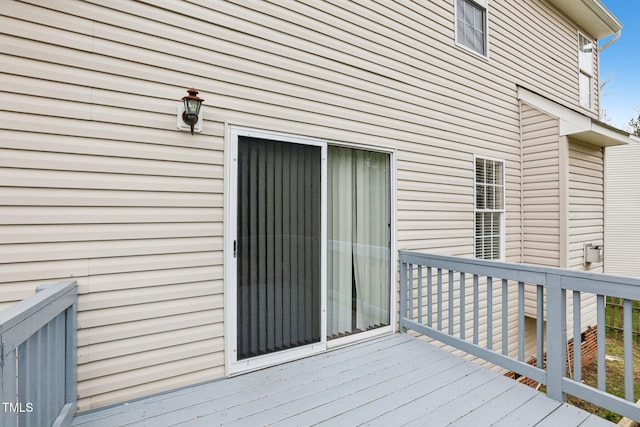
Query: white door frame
(231,233)
(232,365)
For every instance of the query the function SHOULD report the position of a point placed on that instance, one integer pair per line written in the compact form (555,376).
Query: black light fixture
(192,105)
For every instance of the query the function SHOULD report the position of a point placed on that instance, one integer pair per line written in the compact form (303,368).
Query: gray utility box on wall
(593,253)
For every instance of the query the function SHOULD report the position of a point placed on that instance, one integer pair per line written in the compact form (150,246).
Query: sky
(620,65)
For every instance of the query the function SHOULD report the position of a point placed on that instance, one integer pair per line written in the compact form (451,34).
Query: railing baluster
(463,305)
(439,299)
(420,293)
(429,297)
(476,308)
(490,313)
(540,326)
(403,293)
(60,344)
(600,313)
(577,337)
(551,285)
(628,350)
(505,317)
(410,292)
(450,314)
(521,325)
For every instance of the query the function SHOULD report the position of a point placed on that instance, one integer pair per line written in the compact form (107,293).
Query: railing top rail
(599,283)
(58,296)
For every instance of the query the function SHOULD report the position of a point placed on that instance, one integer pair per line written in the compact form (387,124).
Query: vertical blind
(278,246)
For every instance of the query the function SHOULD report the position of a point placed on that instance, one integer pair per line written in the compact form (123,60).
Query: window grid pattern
(489,208)
(585,77)
(471,31)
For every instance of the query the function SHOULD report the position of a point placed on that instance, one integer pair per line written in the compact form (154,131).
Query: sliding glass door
(311,244)
(278,246)
(358,233)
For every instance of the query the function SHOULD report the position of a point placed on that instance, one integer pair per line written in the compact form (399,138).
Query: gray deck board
(466,403)
(564,415)
(302,390)
(392,380)
(530,413)
(492,411)
(365,401)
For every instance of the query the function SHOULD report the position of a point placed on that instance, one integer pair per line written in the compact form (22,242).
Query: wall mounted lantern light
(189,112)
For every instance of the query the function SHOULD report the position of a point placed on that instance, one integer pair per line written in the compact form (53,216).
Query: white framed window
(489,208)
(585,76)
(471,25)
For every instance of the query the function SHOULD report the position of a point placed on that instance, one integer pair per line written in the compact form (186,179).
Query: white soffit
(576,125)
(591,16)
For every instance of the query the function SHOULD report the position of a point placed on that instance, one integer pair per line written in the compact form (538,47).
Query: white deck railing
(482,310)
(38,358)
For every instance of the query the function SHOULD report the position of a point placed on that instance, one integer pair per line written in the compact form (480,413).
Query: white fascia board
(570,121)
(576,125)
(602,135)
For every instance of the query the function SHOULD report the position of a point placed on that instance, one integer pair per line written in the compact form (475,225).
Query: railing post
(8,384)
(403,294)
(556,337)
(38,342)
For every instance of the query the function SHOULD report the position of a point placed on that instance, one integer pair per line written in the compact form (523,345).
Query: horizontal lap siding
(103,189)
(95,181)
(622,222)
(586,202)
(586,214)
(541,196)
(541,216)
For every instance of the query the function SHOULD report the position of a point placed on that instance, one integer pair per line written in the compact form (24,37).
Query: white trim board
(576,125)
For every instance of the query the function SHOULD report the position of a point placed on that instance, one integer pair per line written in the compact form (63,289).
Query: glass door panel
(278,246)
(359,241)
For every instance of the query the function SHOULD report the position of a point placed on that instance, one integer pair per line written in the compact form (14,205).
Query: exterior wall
(541,188)
(98,184)
(543,182)
(554,39)
(622,204)
(541,205)
(586,215)
(586,202)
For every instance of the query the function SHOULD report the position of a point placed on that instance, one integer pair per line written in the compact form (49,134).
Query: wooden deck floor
(390,381)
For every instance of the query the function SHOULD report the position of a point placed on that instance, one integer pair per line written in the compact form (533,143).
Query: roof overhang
(591,16)
(574,124)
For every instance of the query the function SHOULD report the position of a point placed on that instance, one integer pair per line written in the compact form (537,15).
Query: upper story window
(489,208)
(471,25)
(585,77)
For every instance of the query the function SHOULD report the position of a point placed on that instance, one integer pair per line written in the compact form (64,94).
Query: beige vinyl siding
(622,204)
(531,35)
(586,214)
(586,202)
(542,179)
(540,197)
(96,183)
(541,188)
